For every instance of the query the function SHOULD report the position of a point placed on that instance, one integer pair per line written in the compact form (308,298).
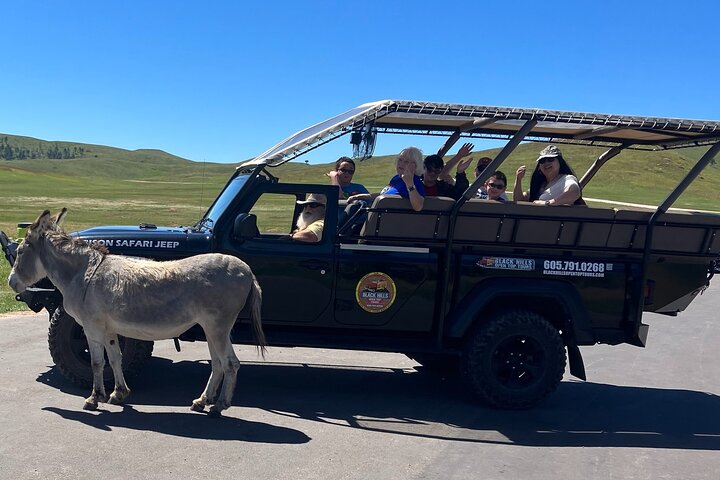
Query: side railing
(484,222)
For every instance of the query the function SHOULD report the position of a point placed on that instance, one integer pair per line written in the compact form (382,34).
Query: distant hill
(97,161)
(632,176)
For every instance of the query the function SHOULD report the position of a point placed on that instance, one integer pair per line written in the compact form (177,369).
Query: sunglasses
(314,205)
(499,186)
(545,160)
(344,170)
(434,169)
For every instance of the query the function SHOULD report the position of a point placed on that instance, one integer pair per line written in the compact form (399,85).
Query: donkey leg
(216,374)
(121,391)
(97,362)
(230,365)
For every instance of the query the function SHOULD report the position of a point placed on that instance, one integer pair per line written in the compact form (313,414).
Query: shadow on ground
(411,403)
(185,425)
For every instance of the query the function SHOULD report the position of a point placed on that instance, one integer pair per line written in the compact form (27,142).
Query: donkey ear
(42,222)
(60,216)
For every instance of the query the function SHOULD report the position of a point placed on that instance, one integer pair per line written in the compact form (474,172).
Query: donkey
(111,295)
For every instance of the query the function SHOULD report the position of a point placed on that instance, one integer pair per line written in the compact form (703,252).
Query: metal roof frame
(478,121)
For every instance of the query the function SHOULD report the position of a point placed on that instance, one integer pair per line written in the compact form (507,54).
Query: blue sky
(222,81)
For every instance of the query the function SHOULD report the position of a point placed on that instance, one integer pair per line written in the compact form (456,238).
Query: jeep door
(296,277)
(388,287)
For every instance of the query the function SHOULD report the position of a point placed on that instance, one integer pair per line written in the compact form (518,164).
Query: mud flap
(640,338)
(577,367)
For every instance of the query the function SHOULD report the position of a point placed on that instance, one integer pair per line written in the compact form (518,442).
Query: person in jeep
(342,176)
(494,188)
(311,221)
(407,183)
(552,183)
(443,187)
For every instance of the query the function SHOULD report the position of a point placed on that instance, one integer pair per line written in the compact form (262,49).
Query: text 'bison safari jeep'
(499,291)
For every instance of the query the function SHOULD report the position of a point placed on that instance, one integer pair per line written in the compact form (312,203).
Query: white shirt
(561,184)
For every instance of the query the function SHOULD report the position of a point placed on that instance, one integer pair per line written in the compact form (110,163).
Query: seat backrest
(484,221)
(392,216)
(526,223)
(628,230)
(677,231)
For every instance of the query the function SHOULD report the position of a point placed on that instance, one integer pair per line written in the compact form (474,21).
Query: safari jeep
(504,293)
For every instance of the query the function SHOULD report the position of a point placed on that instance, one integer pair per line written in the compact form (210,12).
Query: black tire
(69,351)
(514,360)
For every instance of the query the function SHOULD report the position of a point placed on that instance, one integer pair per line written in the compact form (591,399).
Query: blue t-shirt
(397,187)
(353,189)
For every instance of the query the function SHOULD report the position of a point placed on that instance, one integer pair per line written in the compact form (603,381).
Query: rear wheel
(69,350)
(514,360)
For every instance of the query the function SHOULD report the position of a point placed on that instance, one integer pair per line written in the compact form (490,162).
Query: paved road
(650,413)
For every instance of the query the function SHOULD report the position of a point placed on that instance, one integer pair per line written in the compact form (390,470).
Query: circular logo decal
(375,292)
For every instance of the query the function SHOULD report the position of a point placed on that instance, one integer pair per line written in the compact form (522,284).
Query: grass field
(110,186)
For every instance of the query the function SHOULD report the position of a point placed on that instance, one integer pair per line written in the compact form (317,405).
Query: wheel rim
(518,362)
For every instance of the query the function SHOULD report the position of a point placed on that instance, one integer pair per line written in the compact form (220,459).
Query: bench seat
(526,224)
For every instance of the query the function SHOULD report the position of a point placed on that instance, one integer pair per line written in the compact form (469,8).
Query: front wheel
(514,360)
(69,350)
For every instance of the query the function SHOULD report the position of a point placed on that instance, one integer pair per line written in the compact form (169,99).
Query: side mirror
(8,248)
(245,227)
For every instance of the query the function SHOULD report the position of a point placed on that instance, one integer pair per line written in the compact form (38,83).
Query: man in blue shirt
(342,177)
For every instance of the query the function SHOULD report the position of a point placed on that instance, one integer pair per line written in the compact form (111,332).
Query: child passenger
(494,188)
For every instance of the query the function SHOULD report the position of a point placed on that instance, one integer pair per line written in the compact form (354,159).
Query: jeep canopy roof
(475,121)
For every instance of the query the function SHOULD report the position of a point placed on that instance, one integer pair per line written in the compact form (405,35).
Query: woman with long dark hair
(552,183)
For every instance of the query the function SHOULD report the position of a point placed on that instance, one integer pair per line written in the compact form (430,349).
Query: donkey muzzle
(15,283)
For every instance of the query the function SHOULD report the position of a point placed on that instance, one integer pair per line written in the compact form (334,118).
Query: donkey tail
(255,304)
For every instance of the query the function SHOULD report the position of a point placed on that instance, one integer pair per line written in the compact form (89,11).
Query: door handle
(315,265)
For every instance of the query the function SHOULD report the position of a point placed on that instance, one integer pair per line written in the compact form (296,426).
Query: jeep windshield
(221,203)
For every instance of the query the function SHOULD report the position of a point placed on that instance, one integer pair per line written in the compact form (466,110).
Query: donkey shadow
(184,425)
(408,402)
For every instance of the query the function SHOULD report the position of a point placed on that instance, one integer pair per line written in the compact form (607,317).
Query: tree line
(51,151)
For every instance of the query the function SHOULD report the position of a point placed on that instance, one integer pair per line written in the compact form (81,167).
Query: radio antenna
(202,185)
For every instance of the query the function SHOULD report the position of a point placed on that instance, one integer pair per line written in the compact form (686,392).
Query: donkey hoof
(119,395)
(197,406)
(215,412)
(89,405)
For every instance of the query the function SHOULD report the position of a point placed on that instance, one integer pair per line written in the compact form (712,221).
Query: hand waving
(465,150)
(463,165)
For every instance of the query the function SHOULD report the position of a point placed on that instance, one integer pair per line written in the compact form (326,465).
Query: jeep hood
(149,240)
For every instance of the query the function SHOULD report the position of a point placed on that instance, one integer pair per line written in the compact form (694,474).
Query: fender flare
(462,317)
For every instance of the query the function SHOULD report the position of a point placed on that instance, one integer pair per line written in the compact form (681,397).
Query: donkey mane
(74,245)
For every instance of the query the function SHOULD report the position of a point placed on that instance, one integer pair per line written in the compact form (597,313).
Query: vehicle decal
(375,292)
(159,244)
(569,268)
(507,263)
